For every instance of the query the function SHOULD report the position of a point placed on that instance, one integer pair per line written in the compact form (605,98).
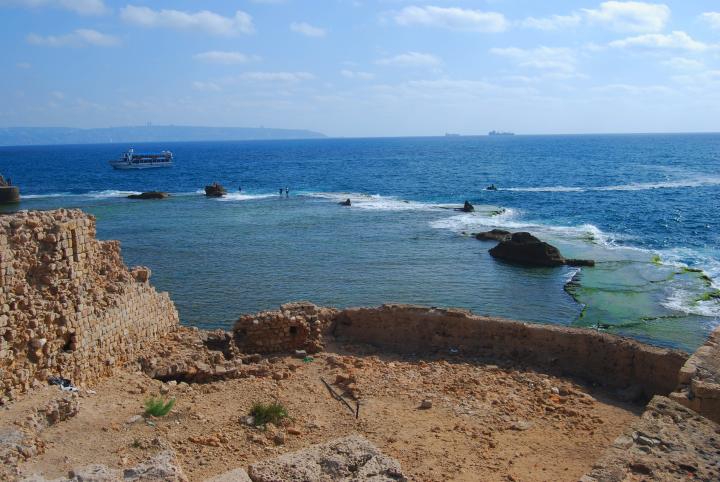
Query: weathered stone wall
(699,379)
(68,304)
(296,326)
(599,357)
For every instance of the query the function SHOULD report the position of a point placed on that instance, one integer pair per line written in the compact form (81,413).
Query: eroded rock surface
(351,458)
(669,442)
(161,468)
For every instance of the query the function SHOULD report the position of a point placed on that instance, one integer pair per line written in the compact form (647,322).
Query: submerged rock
(150,195)
(215,190)
(467,207)
(345,202)
(494,235)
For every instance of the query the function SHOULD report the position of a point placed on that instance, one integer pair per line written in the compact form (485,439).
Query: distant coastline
(33,136)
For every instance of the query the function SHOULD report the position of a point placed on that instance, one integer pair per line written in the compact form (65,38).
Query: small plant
(264,413)
(157,407)
(136,444)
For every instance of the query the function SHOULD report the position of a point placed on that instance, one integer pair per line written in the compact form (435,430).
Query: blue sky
(363,67)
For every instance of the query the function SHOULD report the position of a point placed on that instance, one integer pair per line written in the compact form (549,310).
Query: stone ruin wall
(68,304)
(699,380)
(295,326)
(602,358)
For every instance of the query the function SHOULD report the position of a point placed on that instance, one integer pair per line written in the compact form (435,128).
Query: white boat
(132,160)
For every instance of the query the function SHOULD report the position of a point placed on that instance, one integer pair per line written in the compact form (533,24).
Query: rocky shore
(394,392)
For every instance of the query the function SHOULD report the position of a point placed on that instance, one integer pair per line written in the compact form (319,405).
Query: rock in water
(580,262)
(215,190)
(467,207)
(345,202)
(494,235)
(524,248)
(150,195)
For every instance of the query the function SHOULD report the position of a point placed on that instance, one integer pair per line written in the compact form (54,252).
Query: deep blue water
(644,206)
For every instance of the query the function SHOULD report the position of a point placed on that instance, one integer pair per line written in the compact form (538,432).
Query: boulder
(150,195)
(345,202)
(346,459)
(162,467)
(494,235)
(524,248)
(215,190)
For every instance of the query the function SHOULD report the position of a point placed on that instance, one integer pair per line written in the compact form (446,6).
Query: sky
(364,67)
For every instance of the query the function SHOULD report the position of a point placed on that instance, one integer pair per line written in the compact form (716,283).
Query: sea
(645,207)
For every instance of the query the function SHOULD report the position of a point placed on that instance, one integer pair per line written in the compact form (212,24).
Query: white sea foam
(685,301)
(238,196)
(509,219)
(110,193)
(376,202)
(691,182)
(43,196)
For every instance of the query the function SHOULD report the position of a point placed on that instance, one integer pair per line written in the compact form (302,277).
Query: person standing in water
(287,192)
(281,190)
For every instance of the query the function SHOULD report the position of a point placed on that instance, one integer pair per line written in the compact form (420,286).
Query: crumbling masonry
(68,304)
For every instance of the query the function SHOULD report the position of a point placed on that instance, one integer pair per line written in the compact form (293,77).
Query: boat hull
(124,166)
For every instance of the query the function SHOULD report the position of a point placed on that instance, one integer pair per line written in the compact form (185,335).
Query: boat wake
(693,182)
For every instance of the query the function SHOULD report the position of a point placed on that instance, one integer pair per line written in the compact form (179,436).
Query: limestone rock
(160,468)
(237,475)
(347,459)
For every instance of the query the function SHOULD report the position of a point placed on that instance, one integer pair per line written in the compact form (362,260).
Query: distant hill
(28,136)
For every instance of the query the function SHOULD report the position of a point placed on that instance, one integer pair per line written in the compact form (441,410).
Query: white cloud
(682,63)
(79,38)
(223,57)
(633,89)
(82,7)
(544,58)
(452,18)
(206,86)
(306,29)
(23,65)
(352,74)
(204,20)
(276,76)
(676,40)
(554,22)
(712,18)
(412,59)
(637,17)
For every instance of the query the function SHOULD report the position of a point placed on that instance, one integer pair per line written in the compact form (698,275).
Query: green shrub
(264,413)
(157,407)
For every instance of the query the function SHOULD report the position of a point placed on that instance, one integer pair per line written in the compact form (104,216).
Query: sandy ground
(487,422)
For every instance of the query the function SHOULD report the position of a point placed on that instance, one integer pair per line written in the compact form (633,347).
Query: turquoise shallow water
(645,207)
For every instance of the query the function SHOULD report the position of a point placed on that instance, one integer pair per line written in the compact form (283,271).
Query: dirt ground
(487,422)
